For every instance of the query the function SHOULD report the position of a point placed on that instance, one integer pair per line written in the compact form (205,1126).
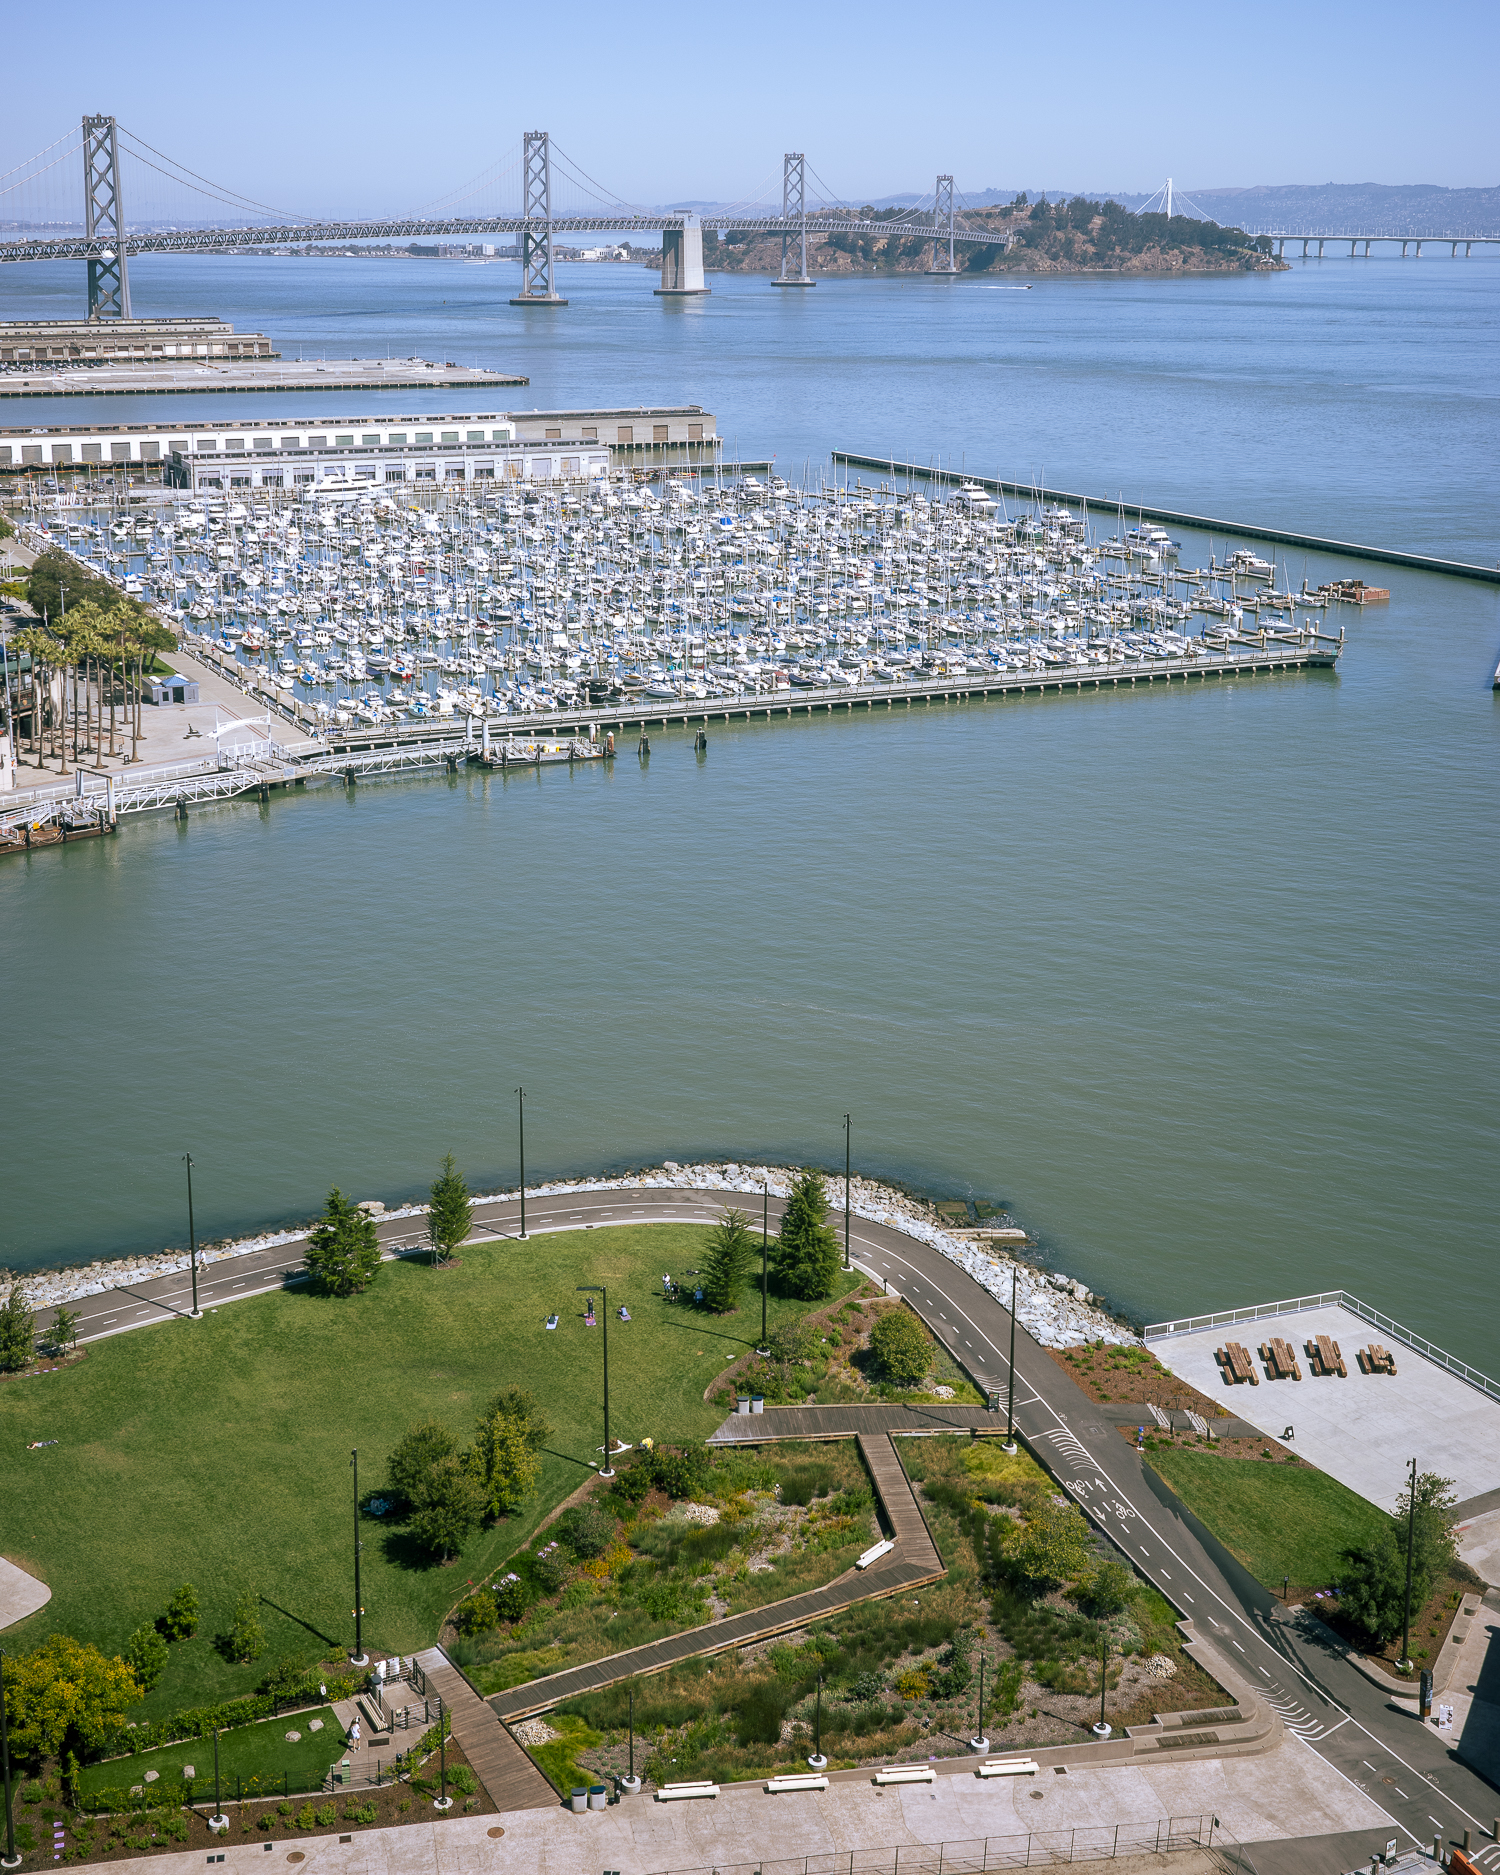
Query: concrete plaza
(1363,1430)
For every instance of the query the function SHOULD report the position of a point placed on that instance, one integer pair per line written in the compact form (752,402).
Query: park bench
(1376,1360)
(796,1780)
(1007,1767)
(677,1793)
(1236,1365)
(905,1774)
(1281,1362)
(1325,1357)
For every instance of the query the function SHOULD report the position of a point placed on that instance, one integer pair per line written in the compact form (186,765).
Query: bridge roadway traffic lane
(1321,1699)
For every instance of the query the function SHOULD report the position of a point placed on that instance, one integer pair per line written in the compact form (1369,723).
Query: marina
(518,628)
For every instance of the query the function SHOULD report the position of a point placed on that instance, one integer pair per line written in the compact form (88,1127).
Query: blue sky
(344,109)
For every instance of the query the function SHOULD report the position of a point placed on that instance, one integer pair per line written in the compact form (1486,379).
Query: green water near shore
(1202,982)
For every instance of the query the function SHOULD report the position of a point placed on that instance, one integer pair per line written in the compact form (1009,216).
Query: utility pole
(1404,1663)
(765,1225)
(10,1859)
(359,1658)
(196,1312)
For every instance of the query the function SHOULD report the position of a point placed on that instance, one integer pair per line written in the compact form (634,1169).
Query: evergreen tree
(727,1262)
(17,1331)
(452,1505)
(181,1619)
(343,1251)
(146,1652)
(805,1260)
(412,1463)
(1372,1583)
(246,1639)
(64,1330)
(503,1464)
(450,1215)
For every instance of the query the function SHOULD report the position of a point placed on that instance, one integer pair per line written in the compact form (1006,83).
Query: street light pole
(606,1470)
(10,1859)
(359,1658)
(521,1124)
(1404,1663)
(817,1760)
(847,1137)
(1010,1411)
(630,1783)
(218,1820)
(765,1226)
(197,1313)
(1103,1728)
(442,1801)
(979,1742)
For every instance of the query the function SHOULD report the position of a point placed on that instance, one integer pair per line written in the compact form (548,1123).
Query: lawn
(247,1753)
(218,1452)
(1280,1520)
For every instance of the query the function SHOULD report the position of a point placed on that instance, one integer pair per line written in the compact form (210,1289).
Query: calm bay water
(1202,982)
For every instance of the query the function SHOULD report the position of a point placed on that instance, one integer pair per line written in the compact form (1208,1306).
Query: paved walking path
(20,1594)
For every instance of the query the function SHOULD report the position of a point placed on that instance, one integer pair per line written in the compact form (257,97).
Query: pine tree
(17,1331)
(344,1251)
(805,1261)
(727,1262)
(450,1216)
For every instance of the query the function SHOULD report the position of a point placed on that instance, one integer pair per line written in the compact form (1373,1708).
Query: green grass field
(1279,1520)
(217,1452)
(248,1751)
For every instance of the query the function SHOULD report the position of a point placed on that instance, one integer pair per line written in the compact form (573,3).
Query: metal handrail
(1335,1298)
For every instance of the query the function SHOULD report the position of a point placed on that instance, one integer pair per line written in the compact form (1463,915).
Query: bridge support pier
(682,260)
(942,216)
(104,220)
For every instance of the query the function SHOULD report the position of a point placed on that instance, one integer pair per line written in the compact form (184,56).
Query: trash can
(757,1402)
(598,1796)
(578,1798)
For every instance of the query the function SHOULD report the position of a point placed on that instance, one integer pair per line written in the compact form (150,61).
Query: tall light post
(1404,1663)
(1103,1728)
(196,1312)
(606,1470)
(521,1126)
(1010,1411)
(817,1760)
(630,1783)
(218,1820)
(765,1229)
(979,1742)
(359,1658)
(442,1801)
(847,1137)
(11,1859)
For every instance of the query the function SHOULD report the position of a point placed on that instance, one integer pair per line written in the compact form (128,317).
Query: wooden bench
(1325,1357)
(1236,1365)
(1281,1362)
(1376,1360)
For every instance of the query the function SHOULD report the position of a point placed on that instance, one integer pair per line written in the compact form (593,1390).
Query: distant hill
(1308,208)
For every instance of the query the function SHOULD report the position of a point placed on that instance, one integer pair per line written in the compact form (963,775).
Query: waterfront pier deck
(347,754)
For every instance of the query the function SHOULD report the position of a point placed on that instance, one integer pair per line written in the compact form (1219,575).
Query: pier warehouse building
(292,452)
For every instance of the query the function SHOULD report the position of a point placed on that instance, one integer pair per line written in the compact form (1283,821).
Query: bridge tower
(793,208)
(942,217)
(536,236)
(104,220)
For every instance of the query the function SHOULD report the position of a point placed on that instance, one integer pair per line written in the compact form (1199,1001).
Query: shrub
(587,1530)
(551,1570)
(181,1619)
(307,1817)
(327,1816)
(758,1717)
(476,1613)
(147,1653)
(361,1813)
(800,1484)
(677,1470)
(463,1780)
(1054,1544)
(1106,1589)
(512,1599)
(901,1348)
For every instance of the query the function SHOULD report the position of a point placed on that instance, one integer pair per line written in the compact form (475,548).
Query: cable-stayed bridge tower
(794,208)
(536,235)
(104,219)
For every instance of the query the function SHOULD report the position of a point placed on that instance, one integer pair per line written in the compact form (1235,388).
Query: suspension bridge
(107,239)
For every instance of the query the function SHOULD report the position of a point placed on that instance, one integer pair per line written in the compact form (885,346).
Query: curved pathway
(1319,1695)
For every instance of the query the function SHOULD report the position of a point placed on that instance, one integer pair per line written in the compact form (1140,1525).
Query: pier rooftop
(1362,1428)
(123,377)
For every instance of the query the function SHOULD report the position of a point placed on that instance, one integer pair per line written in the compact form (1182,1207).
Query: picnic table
(1376,1360)
(1325,1357)
(1236,1365)
(1281,1362)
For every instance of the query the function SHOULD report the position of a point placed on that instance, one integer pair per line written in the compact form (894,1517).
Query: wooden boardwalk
(913,1562)
(500,1764)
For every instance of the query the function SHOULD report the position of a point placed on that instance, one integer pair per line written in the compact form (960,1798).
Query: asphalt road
(1403,1765)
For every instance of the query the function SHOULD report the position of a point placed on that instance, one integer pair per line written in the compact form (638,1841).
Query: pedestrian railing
(1104,1842)
(1330,1299)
